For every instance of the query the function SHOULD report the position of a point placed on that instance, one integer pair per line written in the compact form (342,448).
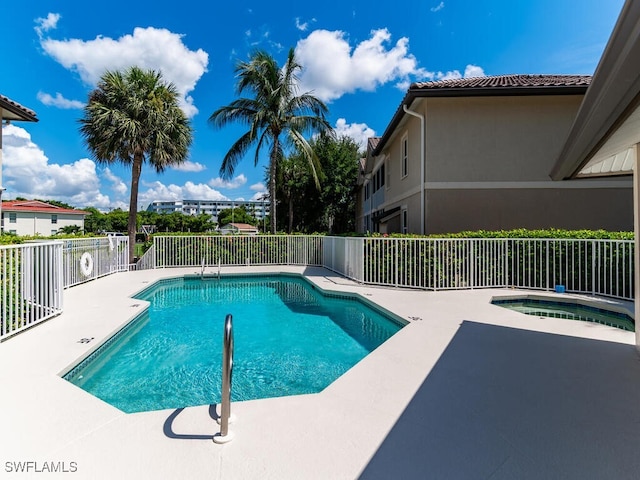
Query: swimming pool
(567,310)
(290,339)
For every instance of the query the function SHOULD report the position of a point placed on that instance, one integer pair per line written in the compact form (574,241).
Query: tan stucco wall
(507,146)
(504,209)
(496,138)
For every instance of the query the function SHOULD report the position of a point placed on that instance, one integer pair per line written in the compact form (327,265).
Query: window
(13,217)
(54,218)
(405,156)
(54,232)
(388,174)
(405,220)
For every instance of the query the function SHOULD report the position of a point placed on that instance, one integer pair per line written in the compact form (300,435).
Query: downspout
(636,228)
(421,117)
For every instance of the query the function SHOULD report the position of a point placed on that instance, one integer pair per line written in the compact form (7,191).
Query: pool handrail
(227,370)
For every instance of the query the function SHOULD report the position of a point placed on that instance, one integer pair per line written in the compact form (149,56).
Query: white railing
(213,250)
(31,285)
(598,267)
(86,259)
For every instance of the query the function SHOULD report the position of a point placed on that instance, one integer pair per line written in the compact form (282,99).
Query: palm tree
(276,116)
(133,116)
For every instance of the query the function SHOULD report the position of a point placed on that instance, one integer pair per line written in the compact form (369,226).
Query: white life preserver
(86,264)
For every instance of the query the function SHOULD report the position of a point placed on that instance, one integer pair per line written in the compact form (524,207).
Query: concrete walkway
(466,390)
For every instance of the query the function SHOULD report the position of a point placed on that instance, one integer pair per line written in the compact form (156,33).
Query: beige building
(476,153)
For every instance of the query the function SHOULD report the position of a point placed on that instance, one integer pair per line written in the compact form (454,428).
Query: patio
(466,390)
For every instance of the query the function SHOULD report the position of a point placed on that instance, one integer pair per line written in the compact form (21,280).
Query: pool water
(290,339)
(570,311)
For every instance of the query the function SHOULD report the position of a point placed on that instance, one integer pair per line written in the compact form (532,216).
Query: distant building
(33,217)
(238,229)
(257,208)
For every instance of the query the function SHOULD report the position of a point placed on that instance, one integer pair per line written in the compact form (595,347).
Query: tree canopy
(132,117)
(277,117)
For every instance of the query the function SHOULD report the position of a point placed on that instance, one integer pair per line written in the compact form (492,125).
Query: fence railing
(598,267)
(213,250)
(32,276)
(31,285)
(86,259)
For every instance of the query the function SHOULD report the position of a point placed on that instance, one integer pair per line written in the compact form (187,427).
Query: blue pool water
(569,311)
(290,339)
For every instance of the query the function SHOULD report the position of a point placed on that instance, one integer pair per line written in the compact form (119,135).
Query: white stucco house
(33,217)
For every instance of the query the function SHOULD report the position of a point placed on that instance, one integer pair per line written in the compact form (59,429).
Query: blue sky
(357,56)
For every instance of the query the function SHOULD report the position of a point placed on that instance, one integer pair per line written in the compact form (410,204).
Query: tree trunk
(272,184)
(136,169)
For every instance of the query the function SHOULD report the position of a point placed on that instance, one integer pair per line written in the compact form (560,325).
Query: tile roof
(507,81)
(14,111)
(38,206)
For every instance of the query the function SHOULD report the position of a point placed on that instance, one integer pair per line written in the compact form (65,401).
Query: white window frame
(13,217)
(54,218)
(404,156)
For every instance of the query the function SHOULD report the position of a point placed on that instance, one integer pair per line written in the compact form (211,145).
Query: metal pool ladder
(224,419)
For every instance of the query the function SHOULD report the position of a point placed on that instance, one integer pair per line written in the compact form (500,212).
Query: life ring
(86,264)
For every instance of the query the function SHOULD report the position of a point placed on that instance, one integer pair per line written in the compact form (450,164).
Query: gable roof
(490,86)
(13,111)
(37,206)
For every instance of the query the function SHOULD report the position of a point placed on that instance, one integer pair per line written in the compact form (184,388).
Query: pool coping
(46,418)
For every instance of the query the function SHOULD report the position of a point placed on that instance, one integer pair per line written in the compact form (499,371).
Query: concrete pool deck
(466,390)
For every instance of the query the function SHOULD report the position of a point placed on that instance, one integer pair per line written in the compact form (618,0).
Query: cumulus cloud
(28,173)
(359,132)
(438,7)
(258,187)
(189,166)
(469,71)
(117,185)
(148,48)
(47,23)
(331,68)
(157,191)
(59,101)
(236,182)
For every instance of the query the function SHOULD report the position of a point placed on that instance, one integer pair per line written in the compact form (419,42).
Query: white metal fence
(86,259)
(213,250)
(31,285)
(598,267)
(32,276)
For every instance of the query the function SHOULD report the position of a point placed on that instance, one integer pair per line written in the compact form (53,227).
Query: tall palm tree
(277,117)
(132,117)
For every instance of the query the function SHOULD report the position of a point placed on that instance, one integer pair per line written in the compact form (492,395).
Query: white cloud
(438,7)
(331,68)
(469,71)
(47,23)
(189,166)
(301,26)
(28,173)
(157,191)
(117,185)
(237,182)
(59,101)
(149,48)
(473,71)
(359,132)
(258,187)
